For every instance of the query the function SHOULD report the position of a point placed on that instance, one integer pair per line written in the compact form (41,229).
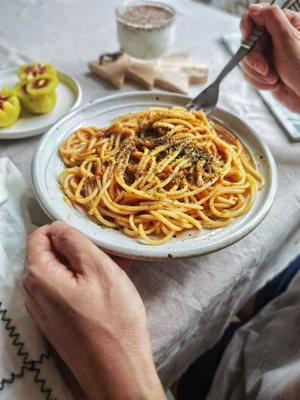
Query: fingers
(72,244)
(39,250)
(42,260)
(258,64)
(258,71)
(43,271)
(276,21)
(259,80)
(83,256)
(259,84)
(57,253)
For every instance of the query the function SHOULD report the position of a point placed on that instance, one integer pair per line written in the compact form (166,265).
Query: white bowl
(47,166)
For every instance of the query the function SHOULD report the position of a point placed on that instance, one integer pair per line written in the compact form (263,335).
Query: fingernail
(56,226)
(255,8)
(261,68)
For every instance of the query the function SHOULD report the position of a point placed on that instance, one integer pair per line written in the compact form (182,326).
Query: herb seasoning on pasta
(158,172)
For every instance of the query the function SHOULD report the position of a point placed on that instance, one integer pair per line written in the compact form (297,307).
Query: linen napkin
(27,370)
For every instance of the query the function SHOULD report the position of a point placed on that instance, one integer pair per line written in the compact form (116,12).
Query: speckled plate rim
(69,95)
(46,168)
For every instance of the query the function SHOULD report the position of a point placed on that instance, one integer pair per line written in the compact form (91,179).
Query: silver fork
(207,100)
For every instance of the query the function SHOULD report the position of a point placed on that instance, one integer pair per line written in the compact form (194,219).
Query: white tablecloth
(188,302)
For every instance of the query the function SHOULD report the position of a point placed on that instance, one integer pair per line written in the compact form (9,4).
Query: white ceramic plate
(47,166)
(68,97)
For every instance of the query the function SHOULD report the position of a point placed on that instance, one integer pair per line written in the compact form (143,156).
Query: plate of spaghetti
(143,178)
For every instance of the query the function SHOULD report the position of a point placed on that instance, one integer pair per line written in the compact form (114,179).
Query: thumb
(273,19)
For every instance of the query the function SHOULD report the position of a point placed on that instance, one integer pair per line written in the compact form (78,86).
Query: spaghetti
(158,172)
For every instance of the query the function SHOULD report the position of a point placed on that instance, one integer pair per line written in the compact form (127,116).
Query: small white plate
(47,166)
(68,97)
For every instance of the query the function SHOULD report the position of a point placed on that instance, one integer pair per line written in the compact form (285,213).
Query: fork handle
(249,43)
(259,30)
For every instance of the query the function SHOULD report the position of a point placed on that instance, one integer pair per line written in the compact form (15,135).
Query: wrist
(118,370)
(123,381)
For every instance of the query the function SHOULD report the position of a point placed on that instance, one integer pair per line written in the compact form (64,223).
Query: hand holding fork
(207,100)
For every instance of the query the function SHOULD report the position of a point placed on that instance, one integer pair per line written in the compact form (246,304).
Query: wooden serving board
(174,72)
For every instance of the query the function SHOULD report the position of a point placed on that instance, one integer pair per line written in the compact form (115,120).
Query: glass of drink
(145,29)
